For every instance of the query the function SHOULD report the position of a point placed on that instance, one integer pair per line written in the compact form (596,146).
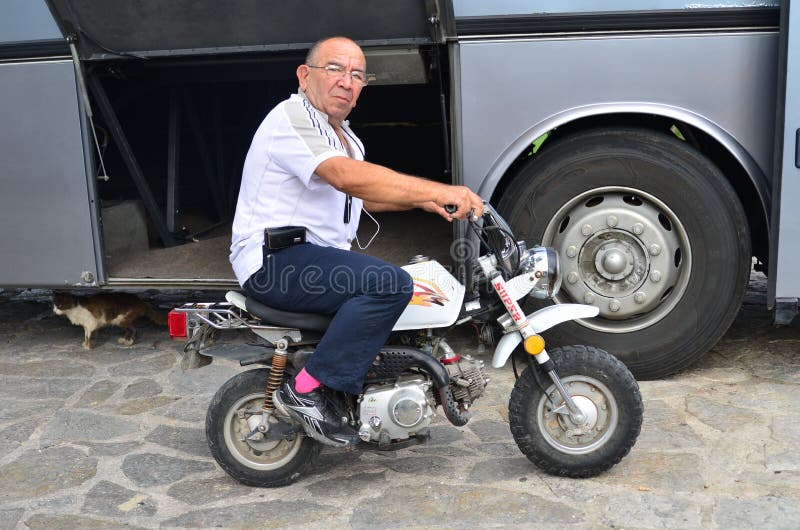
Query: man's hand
(463,198)
(432,207)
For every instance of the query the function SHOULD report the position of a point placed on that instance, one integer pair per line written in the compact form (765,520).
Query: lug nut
(639,297)
(572,277)
(614,306)
(586,229)
(655,276)
(655,250)
(572,251)
(638,229)
(588,298)
(612,221)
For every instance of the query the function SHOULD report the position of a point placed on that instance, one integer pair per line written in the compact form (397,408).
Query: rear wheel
(648,230)
(609,398)
(233,414)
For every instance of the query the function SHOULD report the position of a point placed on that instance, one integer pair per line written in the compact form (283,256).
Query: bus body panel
(785,268)
(479,8)
(726,81)
(47,230)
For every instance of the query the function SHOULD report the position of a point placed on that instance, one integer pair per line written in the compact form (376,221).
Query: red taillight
(177,324)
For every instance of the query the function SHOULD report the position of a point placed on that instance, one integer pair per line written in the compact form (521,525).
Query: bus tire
(647,229)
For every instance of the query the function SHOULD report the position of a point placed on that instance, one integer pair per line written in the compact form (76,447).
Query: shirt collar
(301,94)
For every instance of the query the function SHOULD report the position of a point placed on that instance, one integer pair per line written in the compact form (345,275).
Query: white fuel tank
(437,297)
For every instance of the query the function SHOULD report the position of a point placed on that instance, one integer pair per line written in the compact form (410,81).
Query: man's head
(334,93)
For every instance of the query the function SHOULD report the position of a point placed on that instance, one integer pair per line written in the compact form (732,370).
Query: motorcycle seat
(278,317)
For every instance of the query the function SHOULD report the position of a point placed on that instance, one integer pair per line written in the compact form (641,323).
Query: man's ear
(302,76)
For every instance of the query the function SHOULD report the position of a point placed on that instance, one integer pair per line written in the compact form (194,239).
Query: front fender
(539,321)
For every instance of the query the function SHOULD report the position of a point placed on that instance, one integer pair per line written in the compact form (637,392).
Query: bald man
(306,169)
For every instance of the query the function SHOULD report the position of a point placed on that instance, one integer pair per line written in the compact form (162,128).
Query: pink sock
(305,382)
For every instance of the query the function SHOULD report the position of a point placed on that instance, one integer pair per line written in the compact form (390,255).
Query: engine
(398,411)
(393,412)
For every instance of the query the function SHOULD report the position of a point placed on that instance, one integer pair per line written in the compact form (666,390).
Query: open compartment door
(47,198)
(154,28)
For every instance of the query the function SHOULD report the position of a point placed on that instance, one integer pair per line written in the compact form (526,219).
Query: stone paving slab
(113,438)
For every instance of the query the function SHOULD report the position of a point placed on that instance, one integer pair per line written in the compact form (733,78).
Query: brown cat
(105,309)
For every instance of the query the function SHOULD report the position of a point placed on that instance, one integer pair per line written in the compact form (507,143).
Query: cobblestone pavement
(113,438)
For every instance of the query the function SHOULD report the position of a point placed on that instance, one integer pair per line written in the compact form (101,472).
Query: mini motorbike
(574,411)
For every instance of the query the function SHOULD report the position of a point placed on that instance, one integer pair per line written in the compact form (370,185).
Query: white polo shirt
(279,186)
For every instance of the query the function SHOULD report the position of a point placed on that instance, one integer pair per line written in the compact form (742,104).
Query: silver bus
(655,146)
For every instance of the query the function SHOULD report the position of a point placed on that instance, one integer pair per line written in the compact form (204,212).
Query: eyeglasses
(338,72)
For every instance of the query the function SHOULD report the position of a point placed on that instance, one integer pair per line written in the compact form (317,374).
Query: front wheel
(233,413)
(607,394)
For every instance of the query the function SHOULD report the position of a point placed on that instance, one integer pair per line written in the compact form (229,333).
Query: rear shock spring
(276,374)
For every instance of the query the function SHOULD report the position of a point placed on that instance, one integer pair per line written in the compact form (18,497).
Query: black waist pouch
(284,236)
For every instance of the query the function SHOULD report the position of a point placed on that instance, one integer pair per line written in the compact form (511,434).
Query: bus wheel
(648,230)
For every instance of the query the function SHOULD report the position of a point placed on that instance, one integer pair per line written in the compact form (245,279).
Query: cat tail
(156,316)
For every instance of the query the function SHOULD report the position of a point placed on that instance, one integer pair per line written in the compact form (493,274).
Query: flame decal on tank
(427,293)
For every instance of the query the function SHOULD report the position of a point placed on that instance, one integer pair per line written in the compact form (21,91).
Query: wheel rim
(265,455)
(597,404)
(624,251)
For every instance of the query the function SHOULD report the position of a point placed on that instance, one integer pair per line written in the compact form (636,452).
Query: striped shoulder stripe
(312,116)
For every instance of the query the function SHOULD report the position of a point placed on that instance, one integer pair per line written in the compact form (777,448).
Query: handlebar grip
(450,208)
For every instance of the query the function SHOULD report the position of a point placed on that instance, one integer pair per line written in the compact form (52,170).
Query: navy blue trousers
(365,295)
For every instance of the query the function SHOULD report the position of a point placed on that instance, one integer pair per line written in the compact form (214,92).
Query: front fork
(534,345)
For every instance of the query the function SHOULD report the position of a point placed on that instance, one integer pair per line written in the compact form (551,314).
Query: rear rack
(221,315)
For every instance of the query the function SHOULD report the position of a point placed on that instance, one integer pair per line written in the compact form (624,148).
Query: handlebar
(452,208)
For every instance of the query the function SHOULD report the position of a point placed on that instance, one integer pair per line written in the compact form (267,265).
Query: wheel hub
(597,406)
(623,251)
(613,264)
(251,448)
(258,440)
(589,411)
